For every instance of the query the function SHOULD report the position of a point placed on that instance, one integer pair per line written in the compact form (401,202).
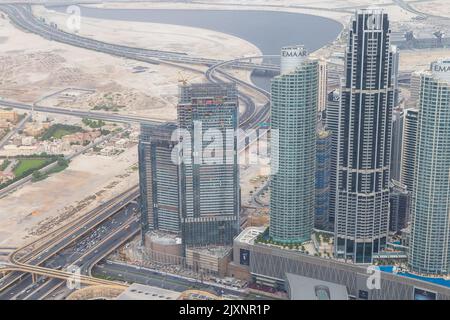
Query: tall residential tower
(430,224)
(158,179)
(293,124)
(209,174)
(409,146)
(364,140)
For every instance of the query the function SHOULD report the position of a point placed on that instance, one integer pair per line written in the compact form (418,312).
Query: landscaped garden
(27,165)
(57,131)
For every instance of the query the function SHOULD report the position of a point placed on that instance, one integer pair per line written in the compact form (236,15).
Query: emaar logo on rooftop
(441,68)
(294,52)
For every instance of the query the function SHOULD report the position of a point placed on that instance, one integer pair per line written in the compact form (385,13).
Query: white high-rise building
(293,129)
(430,224)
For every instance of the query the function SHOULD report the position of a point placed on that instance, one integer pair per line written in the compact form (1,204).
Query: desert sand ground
(417,60)
(32,67)
(36,208)
(434,7)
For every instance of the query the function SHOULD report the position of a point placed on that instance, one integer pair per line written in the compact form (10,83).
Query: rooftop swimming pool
(438,281)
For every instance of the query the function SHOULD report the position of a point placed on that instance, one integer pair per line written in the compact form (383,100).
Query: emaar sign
(294,52)
(441,69)
(292,57)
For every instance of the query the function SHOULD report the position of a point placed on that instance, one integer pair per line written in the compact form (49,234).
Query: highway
(108,236)
(78,113)
(251,118)
(42,250)
(142,275)
(22,17)
(408,7)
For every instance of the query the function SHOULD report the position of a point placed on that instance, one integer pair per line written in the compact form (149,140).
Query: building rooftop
(164,237)
(250,234)
(215,251)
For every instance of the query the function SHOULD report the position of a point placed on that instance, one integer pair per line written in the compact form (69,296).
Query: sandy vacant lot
(434,7)
(418,60)
(36,207)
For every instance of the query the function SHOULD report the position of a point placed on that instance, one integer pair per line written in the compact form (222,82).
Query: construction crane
(182,79)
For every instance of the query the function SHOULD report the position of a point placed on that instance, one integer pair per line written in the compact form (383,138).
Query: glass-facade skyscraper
(430,224)
(158,179)
(397,142)
(364,139)
(332,116)
(323,164)
(399,207)
(409,146)
(293,129)
(210,189)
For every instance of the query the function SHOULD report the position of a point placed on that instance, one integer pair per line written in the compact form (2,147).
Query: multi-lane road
(143,275)
(82,242)
(22,17)
(77,113)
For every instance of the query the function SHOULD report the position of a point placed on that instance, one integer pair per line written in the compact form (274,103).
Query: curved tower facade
(293,123)
(430,224)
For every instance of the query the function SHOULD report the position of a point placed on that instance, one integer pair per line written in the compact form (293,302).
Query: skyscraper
(414,89)
(409,146)
(397,141)
(158,179)
(293,124)
(209,174)
(364,141)
(322,94)
(332,121)
(395,74)
(323,158)
(430,224)
(399,200)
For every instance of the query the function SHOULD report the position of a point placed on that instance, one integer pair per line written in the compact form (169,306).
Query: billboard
(244,257)
(421,294)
